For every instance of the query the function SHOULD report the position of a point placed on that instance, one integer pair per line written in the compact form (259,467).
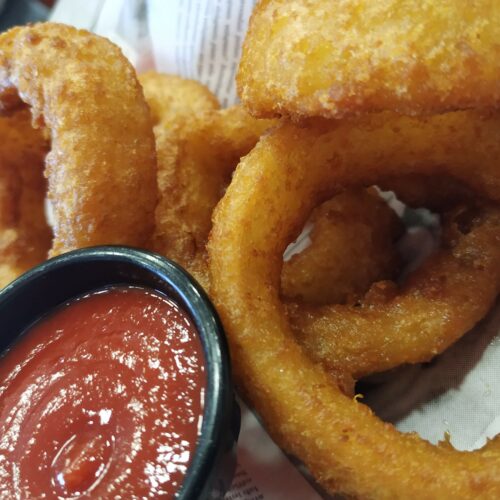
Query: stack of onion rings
(300,332)
(198,148)
(204,154)
(273,190)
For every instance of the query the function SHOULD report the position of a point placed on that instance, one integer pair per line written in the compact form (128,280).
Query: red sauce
(103,397)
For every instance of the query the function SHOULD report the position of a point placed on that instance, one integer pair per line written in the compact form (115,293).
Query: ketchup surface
(102,398)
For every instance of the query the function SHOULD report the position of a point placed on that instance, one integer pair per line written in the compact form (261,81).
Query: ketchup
(102,398)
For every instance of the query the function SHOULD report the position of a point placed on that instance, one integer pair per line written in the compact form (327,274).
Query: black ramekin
(62,278)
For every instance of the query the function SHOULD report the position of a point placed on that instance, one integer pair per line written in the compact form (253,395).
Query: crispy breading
(338,58)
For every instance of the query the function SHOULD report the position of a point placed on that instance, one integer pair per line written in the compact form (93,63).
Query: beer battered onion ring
(333,59)
(275,187)
(195,165)
(438,303)
(101,168)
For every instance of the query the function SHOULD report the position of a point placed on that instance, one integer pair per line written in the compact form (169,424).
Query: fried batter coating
(333,59)
(101,167)
(198,149)
(198,146)
(174,101)
(195,166)
(352,246)
(25,236)
(180,108)
(438,303)
(273,191)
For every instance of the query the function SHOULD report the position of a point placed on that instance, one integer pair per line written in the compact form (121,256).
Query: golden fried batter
(198,148)
(274,189)
(179,108)
(101,167)
(176,102)
(195,166)
(437,304)
(338,58)
(25,236)
(352,246)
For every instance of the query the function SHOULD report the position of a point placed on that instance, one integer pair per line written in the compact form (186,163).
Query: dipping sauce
(102,398)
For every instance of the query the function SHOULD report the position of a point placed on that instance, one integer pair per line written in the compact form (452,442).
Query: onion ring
(101,168)
(333,59)
(180,108)
(439,302)
(194,167)
(274,188)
